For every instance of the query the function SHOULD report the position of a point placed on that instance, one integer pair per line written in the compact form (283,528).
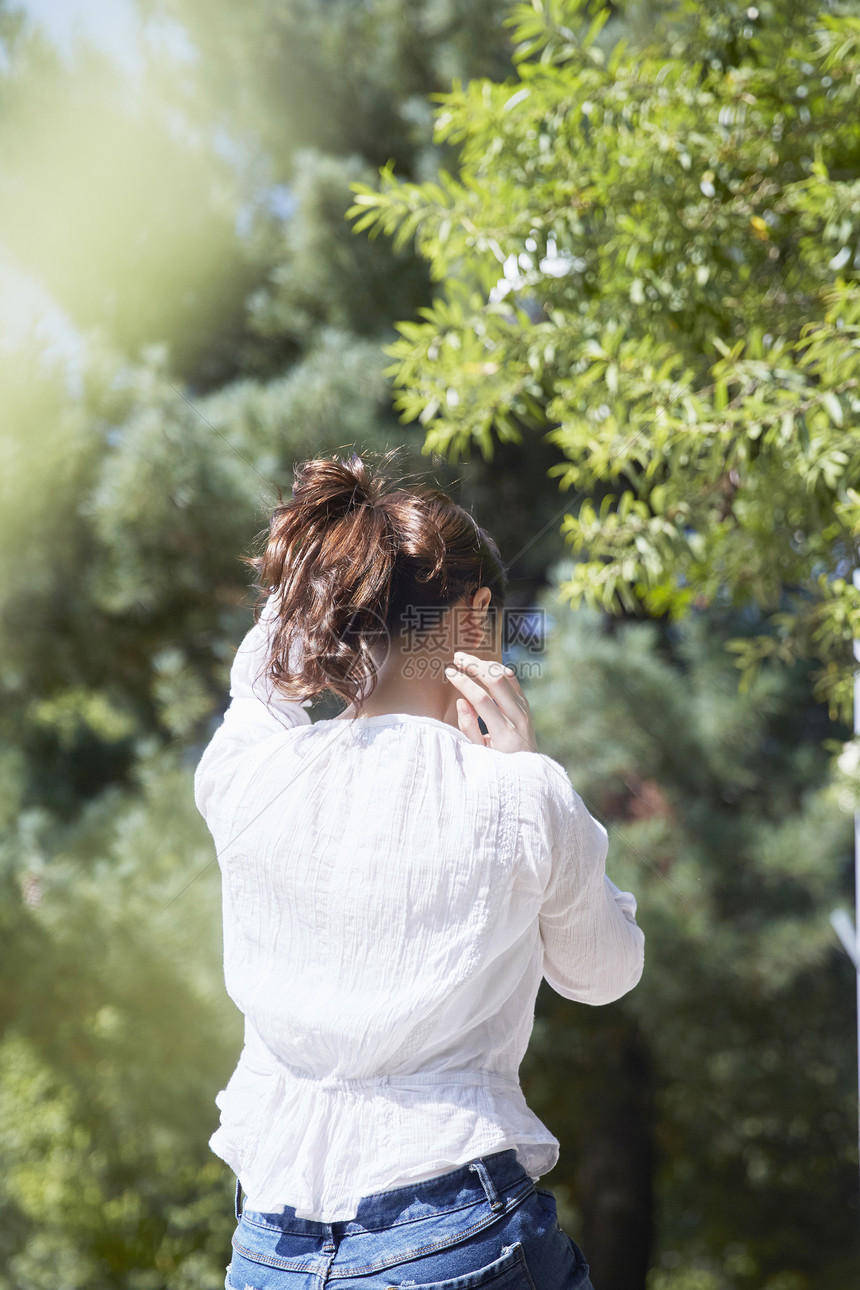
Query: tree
(648,255)
(128,498)
(224,342)
(706,1119)
(114,1034)
(126,220)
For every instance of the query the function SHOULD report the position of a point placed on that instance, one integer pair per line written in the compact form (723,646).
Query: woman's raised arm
(257,710)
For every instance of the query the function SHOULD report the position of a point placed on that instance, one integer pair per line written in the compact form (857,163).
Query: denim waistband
(499,1179)
(390,1227)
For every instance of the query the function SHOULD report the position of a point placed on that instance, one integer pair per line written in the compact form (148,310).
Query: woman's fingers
(477,696)
(496,697)
(467,719)
(494,681)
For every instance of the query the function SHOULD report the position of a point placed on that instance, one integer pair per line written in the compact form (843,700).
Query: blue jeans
(482,1224)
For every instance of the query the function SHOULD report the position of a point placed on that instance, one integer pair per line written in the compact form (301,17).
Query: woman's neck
(428,696)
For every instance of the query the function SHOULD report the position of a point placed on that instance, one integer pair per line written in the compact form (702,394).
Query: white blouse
(392,896)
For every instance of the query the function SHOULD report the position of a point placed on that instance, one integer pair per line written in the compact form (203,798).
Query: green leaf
(833,406)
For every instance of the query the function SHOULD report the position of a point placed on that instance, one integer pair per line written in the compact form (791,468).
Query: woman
(396,883)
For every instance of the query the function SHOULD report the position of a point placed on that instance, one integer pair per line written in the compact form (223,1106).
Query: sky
(112,24)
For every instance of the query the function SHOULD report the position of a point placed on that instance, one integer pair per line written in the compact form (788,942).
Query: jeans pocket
(248,1274)
(508,1272)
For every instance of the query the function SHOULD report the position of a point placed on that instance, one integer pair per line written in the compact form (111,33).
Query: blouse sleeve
(593,949)
(257,710)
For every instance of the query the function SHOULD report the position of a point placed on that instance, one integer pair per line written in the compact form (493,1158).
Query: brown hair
(351,553)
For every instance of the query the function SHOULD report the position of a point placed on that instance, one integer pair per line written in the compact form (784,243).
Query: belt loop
(487,1183)
(236,1204)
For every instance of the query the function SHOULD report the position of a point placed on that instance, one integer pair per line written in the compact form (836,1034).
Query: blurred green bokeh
(212,319)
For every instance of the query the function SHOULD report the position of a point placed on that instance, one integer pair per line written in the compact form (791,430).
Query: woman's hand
(491,691)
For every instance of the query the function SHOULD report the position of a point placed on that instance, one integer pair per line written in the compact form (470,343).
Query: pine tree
(712,1109)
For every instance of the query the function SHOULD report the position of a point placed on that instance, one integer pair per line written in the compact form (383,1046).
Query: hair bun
(334,486)
(353,555)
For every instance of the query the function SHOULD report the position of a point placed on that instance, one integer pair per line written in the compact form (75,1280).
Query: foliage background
(213,318)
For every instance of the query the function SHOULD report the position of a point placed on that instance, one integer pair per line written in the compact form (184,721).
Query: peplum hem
(319,1144)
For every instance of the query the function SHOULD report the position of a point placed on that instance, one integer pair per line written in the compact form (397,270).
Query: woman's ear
(484,626)
(472,623)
